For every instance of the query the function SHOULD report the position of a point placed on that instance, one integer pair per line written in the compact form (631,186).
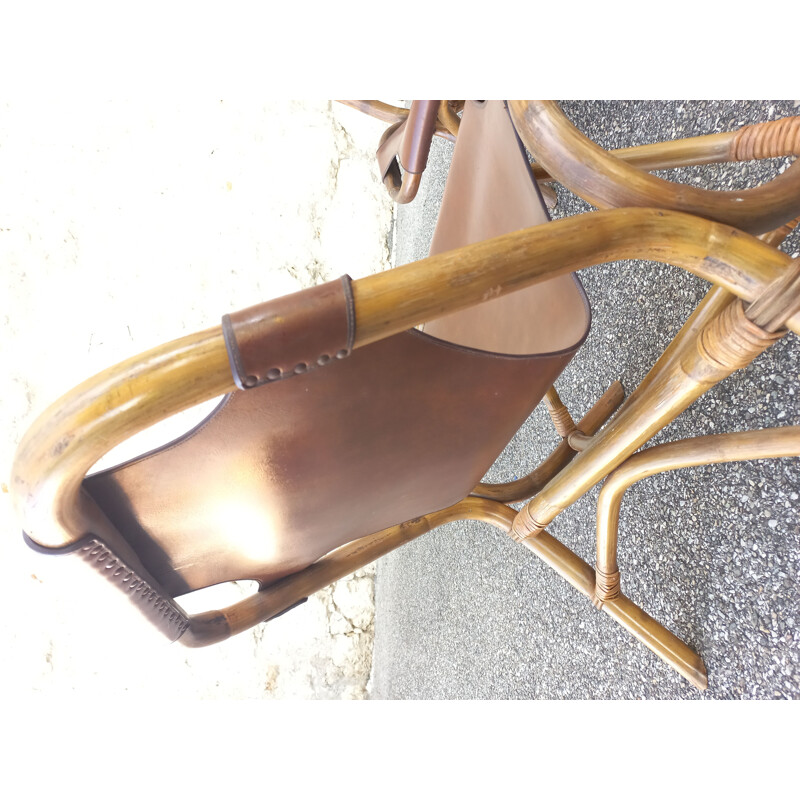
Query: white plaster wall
(124,224)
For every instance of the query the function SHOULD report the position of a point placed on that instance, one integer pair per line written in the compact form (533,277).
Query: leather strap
(290,335)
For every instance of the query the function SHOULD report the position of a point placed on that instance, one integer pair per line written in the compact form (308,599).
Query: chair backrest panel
(281,474)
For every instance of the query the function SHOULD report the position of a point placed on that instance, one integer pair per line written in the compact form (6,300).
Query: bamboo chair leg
(581,576)
(699,357)
(715,341)
(668,647)
(715,449)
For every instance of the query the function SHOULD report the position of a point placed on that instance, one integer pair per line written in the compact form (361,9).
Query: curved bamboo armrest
(776,138)
(606,181)
(74,433)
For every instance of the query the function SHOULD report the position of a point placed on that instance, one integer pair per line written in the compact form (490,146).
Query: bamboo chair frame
(755,301)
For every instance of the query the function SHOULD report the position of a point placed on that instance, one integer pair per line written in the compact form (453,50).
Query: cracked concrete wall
(124,224)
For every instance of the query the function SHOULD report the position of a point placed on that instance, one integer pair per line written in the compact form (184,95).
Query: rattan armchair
(359,415)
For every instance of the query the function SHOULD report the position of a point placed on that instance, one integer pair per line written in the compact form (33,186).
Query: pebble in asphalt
(711,552)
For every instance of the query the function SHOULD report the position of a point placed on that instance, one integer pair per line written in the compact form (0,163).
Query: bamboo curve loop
(69,437)
(714,449)
(605,181)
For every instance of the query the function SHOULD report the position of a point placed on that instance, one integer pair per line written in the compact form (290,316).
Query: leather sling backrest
(282,473)
(490,192)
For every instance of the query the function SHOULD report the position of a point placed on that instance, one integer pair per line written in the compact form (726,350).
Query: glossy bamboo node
(64,443)
(608,182)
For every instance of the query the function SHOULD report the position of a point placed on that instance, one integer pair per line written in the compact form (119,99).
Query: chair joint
(525,527)
(606,587)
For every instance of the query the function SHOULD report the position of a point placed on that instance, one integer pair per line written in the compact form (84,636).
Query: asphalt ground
(711,552)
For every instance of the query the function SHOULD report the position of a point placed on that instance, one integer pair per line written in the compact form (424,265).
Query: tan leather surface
(490,191)
(285,472)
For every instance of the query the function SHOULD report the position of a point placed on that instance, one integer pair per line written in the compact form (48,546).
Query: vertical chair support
(716,340)
(693,364)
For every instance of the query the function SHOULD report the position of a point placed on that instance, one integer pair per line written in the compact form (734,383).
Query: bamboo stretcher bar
(581,576)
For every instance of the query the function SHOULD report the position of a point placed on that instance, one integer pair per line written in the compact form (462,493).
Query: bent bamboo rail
(216,626)
(714,449)
(605,181)
(74,433)
(777,138)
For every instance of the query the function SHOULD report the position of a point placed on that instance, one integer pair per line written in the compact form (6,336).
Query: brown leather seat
(280,474)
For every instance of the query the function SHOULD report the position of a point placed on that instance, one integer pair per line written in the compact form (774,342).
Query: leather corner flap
(290,335)
(142,590)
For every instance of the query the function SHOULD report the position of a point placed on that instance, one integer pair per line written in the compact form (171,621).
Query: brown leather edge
(350,309)
(142,591)
(578,283)
(241,376)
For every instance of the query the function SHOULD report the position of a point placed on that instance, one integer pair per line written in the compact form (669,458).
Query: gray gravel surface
(711,552)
